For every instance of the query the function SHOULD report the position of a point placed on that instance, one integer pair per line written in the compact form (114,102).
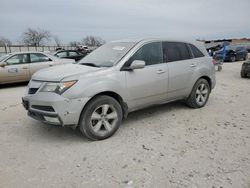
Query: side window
(175,51)
(196,52)
(150,53)
(38,58)
(17,59)
(62,54)
(72,53)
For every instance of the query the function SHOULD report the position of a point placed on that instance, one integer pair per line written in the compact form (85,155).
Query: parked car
(245,69)
(118,78)
(70,54)
(231,53)
(248,48)
(83,49)
(20,66)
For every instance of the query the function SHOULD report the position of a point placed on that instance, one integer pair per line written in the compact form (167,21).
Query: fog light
(52,119)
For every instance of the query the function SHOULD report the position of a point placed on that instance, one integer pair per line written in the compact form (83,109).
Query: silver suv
(97,93)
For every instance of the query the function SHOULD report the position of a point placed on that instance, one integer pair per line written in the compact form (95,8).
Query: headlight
(59,87)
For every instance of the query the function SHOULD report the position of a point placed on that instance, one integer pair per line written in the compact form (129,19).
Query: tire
(199,94)
(101,118)
(243,75)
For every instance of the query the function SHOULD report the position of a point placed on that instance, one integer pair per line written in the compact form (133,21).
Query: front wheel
(243,75)
(101,118)
(199,94)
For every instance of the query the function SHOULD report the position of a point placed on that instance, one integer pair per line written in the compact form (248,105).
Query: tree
(74,43)
(93,41)
(57,41)
(35,37)
(4,41)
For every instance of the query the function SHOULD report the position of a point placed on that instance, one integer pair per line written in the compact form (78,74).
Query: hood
(60,72)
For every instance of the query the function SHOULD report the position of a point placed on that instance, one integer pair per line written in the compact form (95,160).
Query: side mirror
(3,64)
(137,64)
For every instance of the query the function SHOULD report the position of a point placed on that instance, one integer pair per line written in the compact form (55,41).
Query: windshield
(4,56)
(107,55)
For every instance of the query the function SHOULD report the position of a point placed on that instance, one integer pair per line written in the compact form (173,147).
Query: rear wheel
(101,118)
(199,94)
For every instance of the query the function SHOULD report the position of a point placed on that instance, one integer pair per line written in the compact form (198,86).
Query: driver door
(148,85)
(16,69)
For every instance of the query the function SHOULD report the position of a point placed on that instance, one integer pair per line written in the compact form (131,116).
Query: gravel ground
(164,146)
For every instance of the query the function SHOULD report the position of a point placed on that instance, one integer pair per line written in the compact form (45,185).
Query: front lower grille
(43,108)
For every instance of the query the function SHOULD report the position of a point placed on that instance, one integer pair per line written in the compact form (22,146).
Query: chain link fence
(21,48)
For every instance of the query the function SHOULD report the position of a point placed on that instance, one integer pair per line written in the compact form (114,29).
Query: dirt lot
(165,146)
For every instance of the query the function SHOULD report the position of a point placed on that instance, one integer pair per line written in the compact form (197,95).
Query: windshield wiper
(90,64)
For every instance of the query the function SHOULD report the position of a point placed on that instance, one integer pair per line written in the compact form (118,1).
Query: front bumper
(52,108)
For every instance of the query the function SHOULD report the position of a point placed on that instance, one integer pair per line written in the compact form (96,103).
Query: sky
(72,20)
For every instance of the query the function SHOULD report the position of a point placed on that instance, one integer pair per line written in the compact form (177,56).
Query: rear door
(16,69)
(181,68)
(39,61)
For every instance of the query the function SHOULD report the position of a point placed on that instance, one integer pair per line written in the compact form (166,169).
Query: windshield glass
(108,54)
(4,56)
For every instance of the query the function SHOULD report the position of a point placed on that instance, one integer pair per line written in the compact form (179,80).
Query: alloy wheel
(201,94)
(103,119)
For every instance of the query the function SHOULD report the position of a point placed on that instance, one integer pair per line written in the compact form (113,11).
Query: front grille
(33,90)
(44,108)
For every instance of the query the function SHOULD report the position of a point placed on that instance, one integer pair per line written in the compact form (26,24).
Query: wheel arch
(114,95)
(208,80)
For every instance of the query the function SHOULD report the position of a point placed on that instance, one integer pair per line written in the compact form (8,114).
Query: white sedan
(20,66)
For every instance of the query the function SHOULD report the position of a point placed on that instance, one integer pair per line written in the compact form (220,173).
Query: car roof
(25,52)
(198,44)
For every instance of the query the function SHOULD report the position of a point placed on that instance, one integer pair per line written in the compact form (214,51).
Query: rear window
(175,51)
(196,52)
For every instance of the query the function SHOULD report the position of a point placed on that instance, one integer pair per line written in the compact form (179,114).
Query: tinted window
(62,54)
(175,51)
(240,49)
(150,53)
(72,53)
(38,58)
(196,52)
(17,59)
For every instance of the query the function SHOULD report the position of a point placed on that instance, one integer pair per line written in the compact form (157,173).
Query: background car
(231,53)
(245,69)
(83,49)
(248,48)
(70,54)
(20,66)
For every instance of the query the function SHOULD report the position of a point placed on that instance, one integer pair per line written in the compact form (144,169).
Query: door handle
(160,71)
(25,67)
(51,65)
(193,65)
